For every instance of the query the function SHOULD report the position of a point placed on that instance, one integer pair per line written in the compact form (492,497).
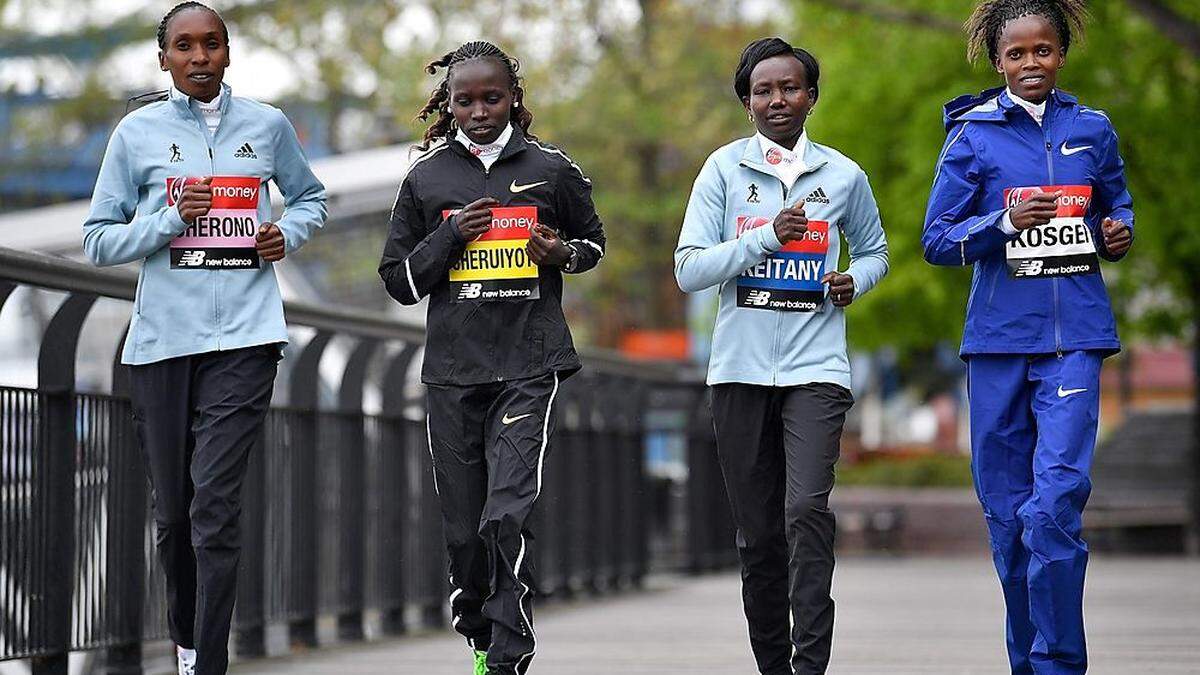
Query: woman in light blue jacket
(763,224)
(183,189)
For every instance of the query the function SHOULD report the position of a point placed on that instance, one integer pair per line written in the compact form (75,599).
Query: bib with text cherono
(222,239)
(789,280)
(1062,247)
(495,265)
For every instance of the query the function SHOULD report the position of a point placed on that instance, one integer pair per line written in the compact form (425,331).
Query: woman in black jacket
(485,223)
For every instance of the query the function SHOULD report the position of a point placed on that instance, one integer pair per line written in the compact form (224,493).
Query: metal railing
(339,515)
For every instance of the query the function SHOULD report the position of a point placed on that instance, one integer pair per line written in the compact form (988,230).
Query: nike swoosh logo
(1070,151)
(514,188)
(509,420)
(1063,393)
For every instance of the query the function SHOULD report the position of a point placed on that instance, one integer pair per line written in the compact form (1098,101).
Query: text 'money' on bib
(788,280)
(1062,247)
(224,237)
(495,265)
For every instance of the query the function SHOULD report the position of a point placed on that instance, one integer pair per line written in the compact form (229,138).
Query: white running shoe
(187,660)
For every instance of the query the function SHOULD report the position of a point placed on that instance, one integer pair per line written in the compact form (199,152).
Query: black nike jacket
(476,341)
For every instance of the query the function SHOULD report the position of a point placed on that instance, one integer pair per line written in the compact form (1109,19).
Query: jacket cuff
(173,222)
(1006,225)
(768,238)
(455,234)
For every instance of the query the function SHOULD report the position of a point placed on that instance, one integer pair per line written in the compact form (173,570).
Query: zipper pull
(210,155)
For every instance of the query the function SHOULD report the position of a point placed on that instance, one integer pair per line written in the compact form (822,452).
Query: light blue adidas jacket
(755,344)
(184,311)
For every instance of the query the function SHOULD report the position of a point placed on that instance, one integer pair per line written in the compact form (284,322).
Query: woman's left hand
(1117,237)
(545,248)
(269,242)
(841,288)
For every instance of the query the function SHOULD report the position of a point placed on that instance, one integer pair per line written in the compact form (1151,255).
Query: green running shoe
(480,663)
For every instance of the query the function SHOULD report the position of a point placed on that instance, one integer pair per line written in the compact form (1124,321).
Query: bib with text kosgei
(224,237)
(789,279)
(495,265)
(1062,247)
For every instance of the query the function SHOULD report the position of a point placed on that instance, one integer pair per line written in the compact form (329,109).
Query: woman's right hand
(1036,210)
(475,218)
(196,200)
(791,224)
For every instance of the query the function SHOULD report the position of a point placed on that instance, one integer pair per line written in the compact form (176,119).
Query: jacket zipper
(778,313)
(1053,280)
(216,278)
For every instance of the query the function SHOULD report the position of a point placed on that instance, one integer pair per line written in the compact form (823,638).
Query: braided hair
(988,20)
(439,99)
(183,7)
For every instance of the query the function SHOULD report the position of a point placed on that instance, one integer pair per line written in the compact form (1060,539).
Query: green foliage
(883,84)
(911,472)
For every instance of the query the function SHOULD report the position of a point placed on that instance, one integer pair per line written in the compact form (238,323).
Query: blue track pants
(1033,430)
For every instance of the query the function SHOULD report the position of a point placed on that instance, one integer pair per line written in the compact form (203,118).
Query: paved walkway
(895,616)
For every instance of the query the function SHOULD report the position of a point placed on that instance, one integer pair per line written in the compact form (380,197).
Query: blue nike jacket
(190,311)
(1027,294)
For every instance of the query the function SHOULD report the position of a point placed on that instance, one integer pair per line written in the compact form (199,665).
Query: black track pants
(197,417)
(777,447)
(489,445)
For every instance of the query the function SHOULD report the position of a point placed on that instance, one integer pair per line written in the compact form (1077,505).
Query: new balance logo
(1030,268)
(191,259)
(758,298)
(470,291)
(818,196)
(245,152)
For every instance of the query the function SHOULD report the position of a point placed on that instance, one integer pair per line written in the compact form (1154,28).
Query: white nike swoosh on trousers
(1070,151)
(1063,393)
(509,420)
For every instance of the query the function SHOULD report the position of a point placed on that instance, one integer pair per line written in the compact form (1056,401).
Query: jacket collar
(183,102)
(516,143)
(814,156)
(994,105)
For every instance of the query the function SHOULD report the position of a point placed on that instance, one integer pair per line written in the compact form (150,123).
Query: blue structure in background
(39,171)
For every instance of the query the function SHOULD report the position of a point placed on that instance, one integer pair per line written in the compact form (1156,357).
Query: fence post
(126,559)
(352,530)
(53,497)
(406,458)
(305,497)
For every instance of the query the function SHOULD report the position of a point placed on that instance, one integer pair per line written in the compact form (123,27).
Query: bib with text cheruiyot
(224,237)
(495,265)
(788,280)
(1062,247)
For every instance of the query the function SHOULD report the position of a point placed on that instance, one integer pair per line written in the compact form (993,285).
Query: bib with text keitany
(788,280)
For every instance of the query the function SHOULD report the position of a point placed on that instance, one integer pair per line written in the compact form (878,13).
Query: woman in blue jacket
(183,189)
(764,224)
(1030,191)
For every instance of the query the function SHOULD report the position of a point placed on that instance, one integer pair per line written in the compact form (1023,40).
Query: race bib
(1062,247)
(788,280)
(495,266)
(224,238)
